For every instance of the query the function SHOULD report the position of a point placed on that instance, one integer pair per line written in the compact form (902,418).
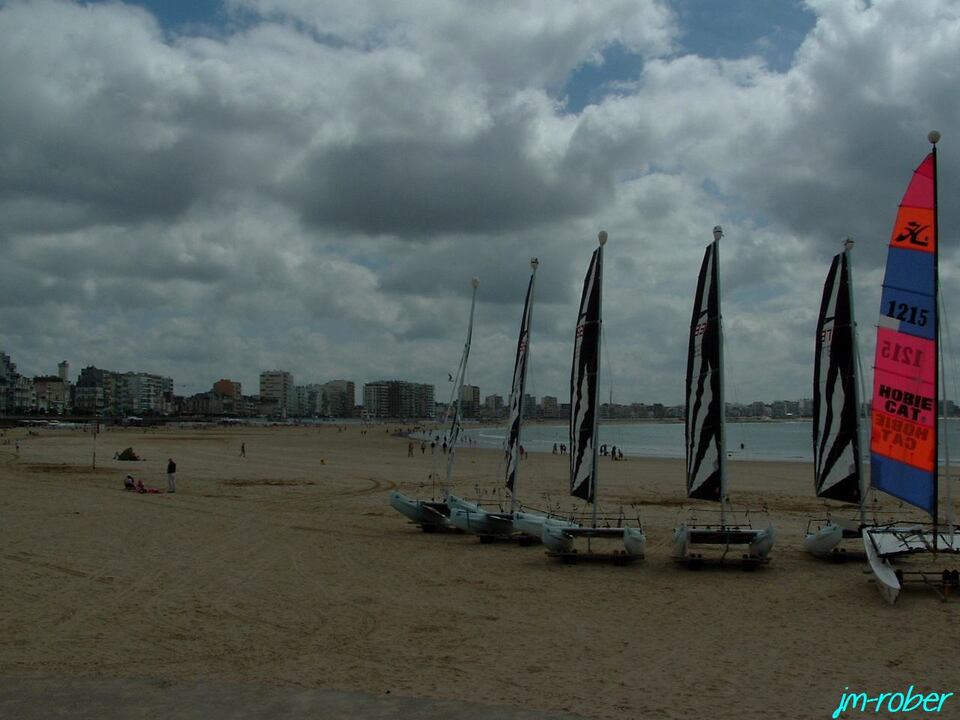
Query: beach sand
(288,568)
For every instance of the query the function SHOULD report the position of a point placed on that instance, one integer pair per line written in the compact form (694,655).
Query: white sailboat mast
(458,389)
(857,397)
(602,239)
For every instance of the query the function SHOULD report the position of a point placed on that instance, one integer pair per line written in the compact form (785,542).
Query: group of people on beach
(132,485)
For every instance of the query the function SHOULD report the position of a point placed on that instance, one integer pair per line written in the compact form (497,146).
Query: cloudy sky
(209,189)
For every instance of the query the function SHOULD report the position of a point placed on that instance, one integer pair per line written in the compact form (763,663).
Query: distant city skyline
(280,385)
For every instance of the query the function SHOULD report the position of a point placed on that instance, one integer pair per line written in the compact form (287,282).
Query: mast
(602,239)
(722,440)
(584,387)
(905,410)
(933,136)
(519,387)
(847,247)
(458,389)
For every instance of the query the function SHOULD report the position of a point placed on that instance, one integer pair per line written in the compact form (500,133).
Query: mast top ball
(602,237)
(847,243)
(475,282)
(717,232)
(534,262)
(933,136)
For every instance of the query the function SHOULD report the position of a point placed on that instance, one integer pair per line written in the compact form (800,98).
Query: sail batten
(584,384)
(704,419)
(836,437)
(903,444)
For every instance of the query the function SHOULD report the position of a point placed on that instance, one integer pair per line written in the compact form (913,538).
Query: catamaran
(434,514)
(838,470)
(705,430)
(472,518)
(559,535)
(904,441)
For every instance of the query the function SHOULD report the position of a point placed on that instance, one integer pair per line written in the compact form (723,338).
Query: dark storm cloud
(417,188)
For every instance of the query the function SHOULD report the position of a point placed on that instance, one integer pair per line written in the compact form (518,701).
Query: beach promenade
(283,579)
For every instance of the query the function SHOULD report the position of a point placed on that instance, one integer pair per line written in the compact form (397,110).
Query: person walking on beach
(410,449)
(243,449)
(171,476)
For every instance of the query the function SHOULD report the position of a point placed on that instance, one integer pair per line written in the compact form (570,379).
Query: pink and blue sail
(903,444)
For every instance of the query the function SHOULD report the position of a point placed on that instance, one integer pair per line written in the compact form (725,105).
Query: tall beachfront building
(276,388)
(398,399)
(341,397)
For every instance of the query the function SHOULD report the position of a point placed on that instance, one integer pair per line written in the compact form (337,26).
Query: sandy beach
(288,568)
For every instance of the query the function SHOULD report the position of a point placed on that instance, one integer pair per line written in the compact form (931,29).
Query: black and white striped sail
(517,389)
(836,441)
(704,412)
(583,384)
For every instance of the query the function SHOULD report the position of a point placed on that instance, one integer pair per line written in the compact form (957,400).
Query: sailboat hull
(428,514)
(823,541)
(481,522)
(556,539)
(884,545)
(689,540)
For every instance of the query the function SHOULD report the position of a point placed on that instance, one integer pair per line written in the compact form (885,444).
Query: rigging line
(946,427)
(617,428)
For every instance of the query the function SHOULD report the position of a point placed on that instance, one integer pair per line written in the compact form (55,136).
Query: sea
(790,440)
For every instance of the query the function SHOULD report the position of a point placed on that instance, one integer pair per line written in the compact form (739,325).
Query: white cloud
(313,187)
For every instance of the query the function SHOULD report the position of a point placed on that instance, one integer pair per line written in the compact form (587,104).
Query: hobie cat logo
(895,702)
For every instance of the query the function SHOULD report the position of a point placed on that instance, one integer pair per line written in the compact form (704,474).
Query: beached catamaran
(705,431)
(489,524)
(558,537)
(838,470)
(906,392)
(434,514)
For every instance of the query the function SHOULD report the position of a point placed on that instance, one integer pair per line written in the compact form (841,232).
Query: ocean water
(786,440)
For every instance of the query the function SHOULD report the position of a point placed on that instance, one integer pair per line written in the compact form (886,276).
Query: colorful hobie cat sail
(558,537)
(492,524)
(705,428)
(904,438)
(838,471)
(434,514)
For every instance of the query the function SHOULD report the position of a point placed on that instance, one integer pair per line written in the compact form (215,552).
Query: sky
(205,190)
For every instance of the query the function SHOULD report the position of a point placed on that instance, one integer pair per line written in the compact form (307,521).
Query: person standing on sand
(243,449)
(171,476)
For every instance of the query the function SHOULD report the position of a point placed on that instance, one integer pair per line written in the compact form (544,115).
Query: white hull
(759,543)
(634,541)
(885,544)
(427,514)
(823,541)
(530,523)
(559,538)
(481,522)
(555,539)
